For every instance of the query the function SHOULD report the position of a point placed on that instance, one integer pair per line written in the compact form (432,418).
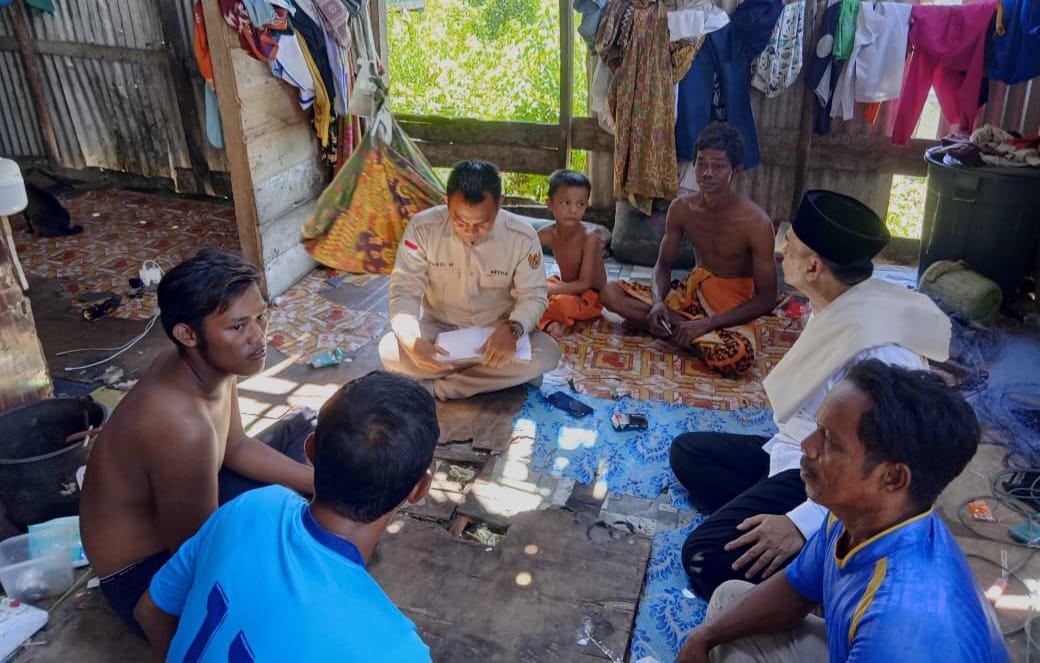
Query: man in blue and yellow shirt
(892,580)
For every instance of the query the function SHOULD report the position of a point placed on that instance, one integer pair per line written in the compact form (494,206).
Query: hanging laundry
(336,20)
(689,20)
(214,130)
(633,41)
(291,67)
(1013,53)
(591,14)
(948,46)
(823,70)
(322,102)
(778,66)
(340,74)
(260,12)
(313,38)
(682,55)
(845,33)
(598,92)
(717,87)
(256,40)
(874,71)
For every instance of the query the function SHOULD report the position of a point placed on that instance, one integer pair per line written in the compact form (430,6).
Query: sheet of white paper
(462,344)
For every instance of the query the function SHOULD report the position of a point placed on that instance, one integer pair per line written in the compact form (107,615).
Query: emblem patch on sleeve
(410,245)
(534,260)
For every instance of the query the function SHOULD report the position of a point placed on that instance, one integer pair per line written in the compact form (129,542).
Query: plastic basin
(38,565)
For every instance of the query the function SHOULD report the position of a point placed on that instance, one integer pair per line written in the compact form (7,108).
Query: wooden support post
(377,12)
(230,105)
(185,97)
(814,10)
(566,81)
(32,75)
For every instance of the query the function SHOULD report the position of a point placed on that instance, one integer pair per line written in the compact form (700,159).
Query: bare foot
(557,330)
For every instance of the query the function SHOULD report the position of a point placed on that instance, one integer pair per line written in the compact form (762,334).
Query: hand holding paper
(463,344)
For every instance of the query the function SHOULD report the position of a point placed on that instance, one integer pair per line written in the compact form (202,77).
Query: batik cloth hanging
(360,218)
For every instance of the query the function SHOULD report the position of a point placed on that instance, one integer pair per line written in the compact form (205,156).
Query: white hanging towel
(874,71)
(692,19)
(290,66)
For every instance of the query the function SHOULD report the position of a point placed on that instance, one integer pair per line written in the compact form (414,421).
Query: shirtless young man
(735,279)
(152,477)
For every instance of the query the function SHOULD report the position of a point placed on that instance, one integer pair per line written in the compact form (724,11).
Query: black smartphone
(569,404)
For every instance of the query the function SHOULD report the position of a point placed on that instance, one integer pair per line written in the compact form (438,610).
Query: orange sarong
(730,351)
(567,309)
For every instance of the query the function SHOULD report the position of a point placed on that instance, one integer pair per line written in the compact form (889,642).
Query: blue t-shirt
(907,594)
(262,581)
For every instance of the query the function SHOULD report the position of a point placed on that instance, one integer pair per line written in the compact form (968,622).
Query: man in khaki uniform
(469,264)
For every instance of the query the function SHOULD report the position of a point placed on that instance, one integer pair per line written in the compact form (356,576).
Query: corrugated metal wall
(106,74)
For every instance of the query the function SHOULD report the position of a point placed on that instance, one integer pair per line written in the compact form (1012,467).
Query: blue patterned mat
(668,609)
(589,450)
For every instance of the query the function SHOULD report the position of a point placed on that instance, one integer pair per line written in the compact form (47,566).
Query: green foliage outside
(906,206)
(485,59)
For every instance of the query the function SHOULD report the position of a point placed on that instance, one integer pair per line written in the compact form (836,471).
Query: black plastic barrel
(987,217)
(37,466)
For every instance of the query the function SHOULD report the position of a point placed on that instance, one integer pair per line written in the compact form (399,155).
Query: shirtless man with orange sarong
(734,282)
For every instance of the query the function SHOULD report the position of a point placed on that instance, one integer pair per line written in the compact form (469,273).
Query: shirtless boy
(151,480)
(735,279)
(574,295)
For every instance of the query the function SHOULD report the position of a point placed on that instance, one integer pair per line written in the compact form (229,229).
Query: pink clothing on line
(948,50)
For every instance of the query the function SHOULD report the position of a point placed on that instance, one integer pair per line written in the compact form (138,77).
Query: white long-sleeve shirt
(785,448)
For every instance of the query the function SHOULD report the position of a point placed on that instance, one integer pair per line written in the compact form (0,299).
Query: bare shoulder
(547,235)
(159,418)
(751,212)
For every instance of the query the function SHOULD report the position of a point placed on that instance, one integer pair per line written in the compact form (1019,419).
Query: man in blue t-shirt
(270,577)
(892,580)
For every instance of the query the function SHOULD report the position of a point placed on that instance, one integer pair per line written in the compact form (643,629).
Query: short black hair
(562,178)
(373,443)
(916,420)
(476,180)
(200,286)
(722,136)
(849,274)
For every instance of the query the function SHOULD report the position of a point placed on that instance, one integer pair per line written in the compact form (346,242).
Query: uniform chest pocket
(444,280)
(495,279)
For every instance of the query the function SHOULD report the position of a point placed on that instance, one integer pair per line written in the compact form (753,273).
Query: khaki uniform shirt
(501,276)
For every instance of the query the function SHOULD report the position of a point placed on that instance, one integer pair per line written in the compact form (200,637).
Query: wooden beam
(566,82)
(184,93)
(145,56)
(32,75)
(586,134)
(513,159)
(870,154)
(221,42)
(466,131)
(377,12)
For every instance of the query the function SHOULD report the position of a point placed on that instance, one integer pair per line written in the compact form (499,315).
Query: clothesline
(868,53)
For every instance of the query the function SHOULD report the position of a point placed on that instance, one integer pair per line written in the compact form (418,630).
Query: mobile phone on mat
(569,404)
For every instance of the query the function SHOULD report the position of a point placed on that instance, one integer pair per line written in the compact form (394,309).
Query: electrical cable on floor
(120,350)
(157,272)
(1012,497)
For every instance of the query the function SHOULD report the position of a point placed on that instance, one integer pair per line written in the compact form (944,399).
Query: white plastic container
(38,565)
(12,188)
